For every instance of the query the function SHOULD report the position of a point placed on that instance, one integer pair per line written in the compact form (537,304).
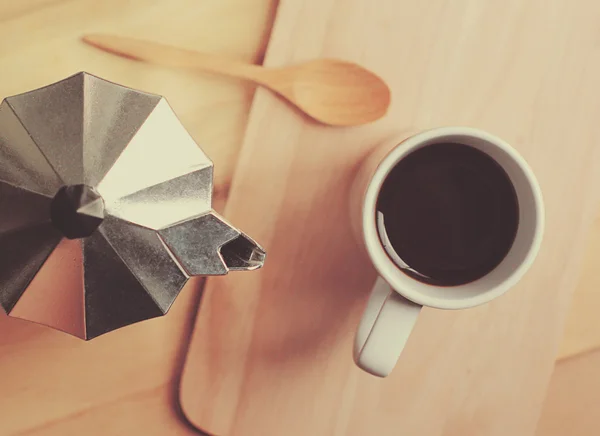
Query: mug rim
(388,270)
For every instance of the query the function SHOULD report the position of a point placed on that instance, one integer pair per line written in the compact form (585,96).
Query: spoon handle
(169,56)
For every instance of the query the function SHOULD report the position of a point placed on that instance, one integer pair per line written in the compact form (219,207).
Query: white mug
(397,298)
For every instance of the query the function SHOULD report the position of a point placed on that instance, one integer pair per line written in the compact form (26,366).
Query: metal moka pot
(105,208)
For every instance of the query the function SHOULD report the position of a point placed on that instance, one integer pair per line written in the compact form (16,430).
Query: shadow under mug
(397,298)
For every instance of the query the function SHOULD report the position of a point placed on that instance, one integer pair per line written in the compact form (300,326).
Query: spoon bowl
(335,92)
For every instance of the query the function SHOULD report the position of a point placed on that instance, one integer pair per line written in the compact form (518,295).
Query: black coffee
(447,214)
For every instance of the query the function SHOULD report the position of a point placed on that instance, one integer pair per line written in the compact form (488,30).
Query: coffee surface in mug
(447,214)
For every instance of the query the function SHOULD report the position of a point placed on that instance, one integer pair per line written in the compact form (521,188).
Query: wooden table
(124,383)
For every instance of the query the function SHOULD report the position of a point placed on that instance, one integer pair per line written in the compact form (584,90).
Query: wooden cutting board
(271,352)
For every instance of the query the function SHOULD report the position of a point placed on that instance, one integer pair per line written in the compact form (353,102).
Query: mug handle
(384,329)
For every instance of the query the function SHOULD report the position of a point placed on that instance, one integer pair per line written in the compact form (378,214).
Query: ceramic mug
(397,298)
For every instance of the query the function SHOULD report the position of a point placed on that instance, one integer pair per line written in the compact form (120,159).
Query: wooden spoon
(331,91)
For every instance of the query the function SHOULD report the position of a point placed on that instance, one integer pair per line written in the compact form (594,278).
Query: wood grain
(574,392)
(582,330)
(573,398)
(271,352)
(124,383)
